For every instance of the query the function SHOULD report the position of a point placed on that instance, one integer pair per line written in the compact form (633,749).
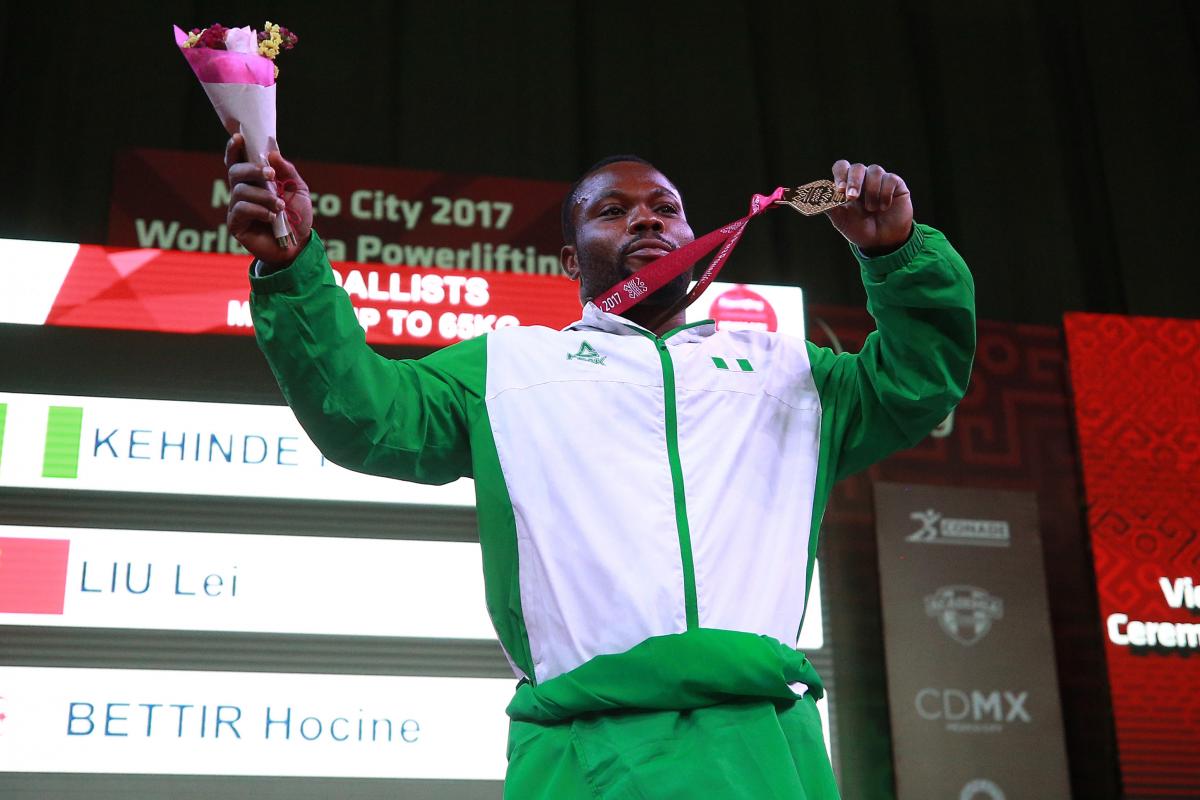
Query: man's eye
(667,208)
(612,211)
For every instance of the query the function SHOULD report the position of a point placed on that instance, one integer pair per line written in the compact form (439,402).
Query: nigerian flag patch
(733,364)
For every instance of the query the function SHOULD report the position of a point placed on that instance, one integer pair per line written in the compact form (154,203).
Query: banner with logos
(228,449)
(1137,413)
(174,722)
(177,200)
(90,286)
(174,580)
(972,687)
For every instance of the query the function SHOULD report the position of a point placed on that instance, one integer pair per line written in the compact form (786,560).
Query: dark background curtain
(1054,142)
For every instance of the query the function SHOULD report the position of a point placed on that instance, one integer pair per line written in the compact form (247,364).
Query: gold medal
(813,198)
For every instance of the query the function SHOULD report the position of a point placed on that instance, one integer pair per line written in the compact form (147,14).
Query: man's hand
(878,217)
(252,208)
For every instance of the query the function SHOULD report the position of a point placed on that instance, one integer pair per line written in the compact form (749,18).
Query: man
(648,514)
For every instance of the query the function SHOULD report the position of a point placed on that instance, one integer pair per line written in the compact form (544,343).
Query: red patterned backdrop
(1013,430)
(1137,406)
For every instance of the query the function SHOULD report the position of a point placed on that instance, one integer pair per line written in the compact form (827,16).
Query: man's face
(626,215)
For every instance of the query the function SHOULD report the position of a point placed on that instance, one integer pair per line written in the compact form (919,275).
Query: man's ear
(570,264)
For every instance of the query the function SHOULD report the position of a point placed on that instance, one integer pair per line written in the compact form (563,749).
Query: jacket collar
(594,319)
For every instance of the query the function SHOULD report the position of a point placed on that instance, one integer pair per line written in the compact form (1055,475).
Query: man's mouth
(647,249)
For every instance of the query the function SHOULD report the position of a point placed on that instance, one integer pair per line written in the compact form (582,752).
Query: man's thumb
(284,169)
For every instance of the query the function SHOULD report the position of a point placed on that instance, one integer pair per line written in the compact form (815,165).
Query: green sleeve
(406,419)
(913,369)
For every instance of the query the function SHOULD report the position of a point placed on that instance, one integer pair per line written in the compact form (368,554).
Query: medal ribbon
(285,190)
(658,273)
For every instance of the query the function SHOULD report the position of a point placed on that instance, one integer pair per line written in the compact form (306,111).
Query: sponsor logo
(981,789)
(635,287)
(587,353)
(936,529)
(742,308)
(965,613)
(973,711)
(737,306)
(732,364)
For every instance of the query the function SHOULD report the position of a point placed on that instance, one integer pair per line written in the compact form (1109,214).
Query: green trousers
(756,750)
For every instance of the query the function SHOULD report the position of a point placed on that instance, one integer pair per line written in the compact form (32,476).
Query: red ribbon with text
(652,277)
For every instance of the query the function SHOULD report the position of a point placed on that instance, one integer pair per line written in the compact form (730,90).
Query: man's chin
(664,298)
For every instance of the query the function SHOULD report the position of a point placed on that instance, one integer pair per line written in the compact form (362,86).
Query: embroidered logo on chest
(587,353)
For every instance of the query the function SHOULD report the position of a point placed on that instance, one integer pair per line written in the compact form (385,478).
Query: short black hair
(568,204)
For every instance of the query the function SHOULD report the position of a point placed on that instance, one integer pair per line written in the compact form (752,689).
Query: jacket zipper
(681,519)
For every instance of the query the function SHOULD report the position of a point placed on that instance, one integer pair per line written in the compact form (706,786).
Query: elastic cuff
(308,266)
(879,266)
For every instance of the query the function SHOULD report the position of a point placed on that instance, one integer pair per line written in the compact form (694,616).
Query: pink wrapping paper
(224,66)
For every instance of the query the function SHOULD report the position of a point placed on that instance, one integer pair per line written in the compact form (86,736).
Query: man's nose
(643,220)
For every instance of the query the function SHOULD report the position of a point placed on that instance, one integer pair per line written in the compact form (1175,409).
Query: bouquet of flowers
(236,67)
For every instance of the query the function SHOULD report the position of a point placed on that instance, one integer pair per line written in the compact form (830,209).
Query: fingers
(840,168)
(876,187)
(239,169)
(872,182)
(244,213)
(891,187)
(854,180)
(249,204)
(235,150)
(243,171)
(285,169)
(246,172)
(255,194)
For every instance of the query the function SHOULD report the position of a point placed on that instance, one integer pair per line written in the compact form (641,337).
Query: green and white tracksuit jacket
(648,506)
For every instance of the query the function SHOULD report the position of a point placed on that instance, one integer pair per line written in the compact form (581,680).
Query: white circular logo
(966,613)
(981,789)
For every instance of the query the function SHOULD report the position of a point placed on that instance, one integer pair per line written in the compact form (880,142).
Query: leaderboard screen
(192,599)
(155,639)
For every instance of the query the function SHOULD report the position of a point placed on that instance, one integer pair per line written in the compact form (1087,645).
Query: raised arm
(406,419)
(914,368)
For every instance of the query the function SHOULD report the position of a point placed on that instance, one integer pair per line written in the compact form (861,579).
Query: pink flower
(241,40)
